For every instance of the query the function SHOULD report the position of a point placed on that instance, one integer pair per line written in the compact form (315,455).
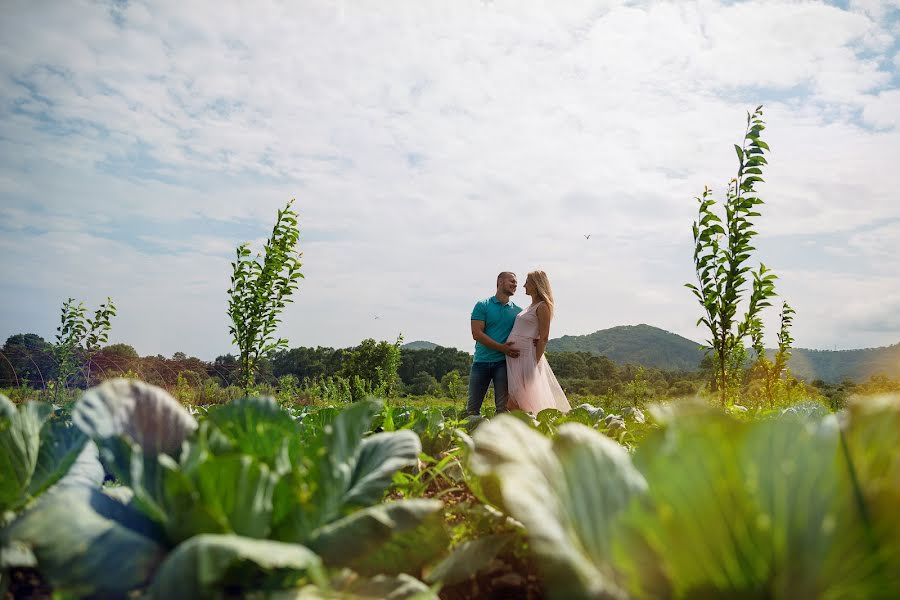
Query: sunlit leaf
(142,413)
(390,538)
(207,565)
(569,494)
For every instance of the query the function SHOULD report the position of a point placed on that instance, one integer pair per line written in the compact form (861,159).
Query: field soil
(27,583)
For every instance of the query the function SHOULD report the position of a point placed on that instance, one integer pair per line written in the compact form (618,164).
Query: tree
(637,391)
(720,256)
(79,338)
(437,361)
(682,388)
(123,350)
(226,360)
(308,363)
(260,288)
(424,384)
(568,365)
(26,359)
(452,384)
(375,363)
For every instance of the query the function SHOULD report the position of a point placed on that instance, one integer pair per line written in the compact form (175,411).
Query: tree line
(380,367)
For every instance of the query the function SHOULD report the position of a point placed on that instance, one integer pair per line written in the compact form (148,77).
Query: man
(492,320)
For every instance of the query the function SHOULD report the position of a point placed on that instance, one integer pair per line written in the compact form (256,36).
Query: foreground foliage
(802,505)
(248,496)
(377,500)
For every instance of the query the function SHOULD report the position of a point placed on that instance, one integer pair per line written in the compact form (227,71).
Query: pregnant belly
(521,341)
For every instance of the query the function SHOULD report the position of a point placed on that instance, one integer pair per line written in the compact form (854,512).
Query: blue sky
(431,145)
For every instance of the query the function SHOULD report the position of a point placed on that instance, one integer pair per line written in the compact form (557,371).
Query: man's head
(506,283)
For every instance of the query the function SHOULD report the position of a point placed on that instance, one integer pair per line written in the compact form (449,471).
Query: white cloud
(877,9)
(884,110)
(427,148)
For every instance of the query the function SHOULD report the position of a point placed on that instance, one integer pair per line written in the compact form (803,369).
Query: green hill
(835,366)
(419,345)
(654,347)
(635,344)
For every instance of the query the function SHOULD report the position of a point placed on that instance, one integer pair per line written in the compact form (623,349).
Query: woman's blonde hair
(542,288)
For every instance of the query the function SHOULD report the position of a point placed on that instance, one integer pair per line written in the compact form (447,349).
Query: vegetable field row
(131,494)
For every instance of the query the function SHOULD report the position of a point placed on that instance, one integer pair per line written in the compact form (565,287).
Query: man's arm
(543,315)
(479,335)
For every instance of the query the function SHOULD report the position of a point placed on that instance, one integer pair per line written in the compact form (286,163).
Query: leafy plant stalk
(80,337)
(771,372)
(260,288)
(721,251)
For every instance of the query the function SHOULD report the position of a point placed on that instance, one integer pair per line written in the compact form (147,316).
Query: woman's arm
(543,315)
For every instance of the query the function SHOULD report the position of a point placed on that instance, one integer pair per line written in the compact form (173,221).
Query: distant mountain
(419,345)
(635,344)
(835,366)
(653,347)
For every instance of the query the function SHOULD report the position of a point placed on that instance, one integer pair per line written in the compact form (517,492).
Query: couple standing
(509,349)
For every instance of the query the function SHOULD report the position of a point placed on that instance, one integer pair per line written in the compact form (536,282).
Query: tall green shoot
(79,337)
(260,288)
(721,251)
(771,372)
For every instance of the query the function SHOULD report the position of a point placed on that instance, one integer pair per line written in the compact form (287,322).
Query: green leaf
(361,469)
(259,428)
(389,538)
(346,470)
(349,586)
(552,488)
(208,565)
(86,470)
(222,494)
(137,411)
(872,436)
(87,543)
(20,442)
(7,408)
(61,444)
(750,506)
(143,475)
(468,559)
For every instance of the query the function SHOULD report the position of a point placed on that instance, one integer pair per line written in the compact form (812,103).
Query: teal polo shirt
(498,322)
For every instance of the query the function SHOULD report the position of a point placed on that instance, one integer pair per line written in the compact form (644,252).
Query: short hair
(502,273)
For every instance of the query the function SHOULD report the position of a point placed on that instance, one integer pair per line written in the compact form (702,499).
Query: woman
(532,385)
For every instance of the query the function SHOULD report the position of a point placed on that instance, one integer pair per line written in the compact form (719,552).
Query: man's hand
(510,351)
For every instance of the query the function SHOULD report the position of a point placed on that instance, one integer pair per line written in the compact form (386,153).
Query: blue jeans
(480,378)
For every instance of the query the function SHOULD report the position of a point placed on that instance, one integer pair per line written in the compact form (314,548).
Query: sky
(430,145)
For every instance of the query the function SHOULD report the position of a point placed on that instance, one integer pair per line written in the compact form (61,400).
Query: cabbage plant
(787,507)
(240,498)
(37,452)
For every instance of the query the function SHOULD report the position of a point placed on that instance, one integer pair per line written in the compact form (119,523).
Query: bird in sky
(376,317)
(587,236)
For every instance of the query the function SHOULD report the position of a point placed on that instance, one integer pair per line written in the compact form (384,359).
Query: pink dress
(532,385)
